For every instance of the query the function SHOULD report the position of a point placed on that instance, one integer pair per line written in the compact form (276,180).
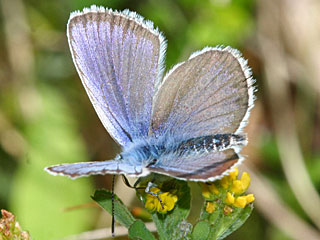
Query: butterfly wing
(210,93)
(119,59)
(83,169)
(202,167)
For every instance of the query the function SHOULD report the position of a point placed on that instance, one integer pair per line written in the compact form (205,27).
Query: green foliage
(122,214)
(197,24)
(221,224)
(37,198)
(230,223)
(173,224)
(138,231)
(201,230)
(167,224)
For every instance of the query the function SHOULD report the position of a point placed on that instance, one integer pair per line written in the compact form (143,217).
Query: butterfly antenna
(112,200)
(150,184)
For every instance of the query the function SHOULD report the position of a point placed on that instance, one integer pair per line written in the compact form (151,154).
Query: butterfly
(187,124)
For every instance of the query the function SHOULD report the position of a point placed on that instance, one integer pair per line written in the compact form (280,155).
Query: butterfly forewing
(210,93)
(82,169)
(118,58)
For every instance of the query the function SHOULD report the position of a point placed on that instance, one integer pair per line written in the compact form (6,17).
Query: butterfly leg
(127,183)
(137,182)
(147,190)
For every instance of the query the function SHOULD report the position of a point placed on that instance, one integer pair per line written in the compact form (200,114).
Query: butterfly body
(149,153)
(187,124)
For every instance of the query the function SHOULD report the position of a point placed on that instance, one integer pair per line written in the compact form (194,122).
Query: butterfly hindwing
(210,93)
(201,167)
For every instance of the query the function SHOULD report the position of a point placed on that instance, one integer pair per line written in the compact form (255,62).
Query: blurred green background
(46,117)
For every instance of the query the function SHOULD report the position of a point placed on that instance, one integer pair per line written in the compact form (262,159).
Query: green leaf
(223,225)
(139,231)
(168,224)
(211,217)
(201,230)
(121,212)
(235,220)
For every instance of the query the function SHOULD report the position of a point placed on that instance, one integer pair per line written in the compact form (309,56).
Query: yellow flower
(245,180)
(210,207)
(168,200)
(240,202)
(225,183)
(213,188)
(236,187)
(233,175)
(231,190)
(240,186)
(229,199)
(227,180)
(205,191)
(209,189)
(155,190)
(250,198)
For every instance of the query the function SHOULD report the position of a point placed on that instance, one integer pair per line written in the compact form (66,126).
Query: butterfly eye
(153,162)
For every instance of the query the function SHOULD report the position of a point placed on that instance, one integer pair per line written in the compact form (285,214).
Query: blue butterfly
(187,124)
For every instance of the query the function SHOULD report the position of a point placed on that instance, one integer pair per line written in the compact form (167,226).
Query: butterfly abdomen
(212,143)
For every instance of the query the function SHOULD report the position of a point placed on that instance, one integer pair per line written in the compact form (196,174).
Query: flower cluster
(229,189)
(168,201)
(10,228)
